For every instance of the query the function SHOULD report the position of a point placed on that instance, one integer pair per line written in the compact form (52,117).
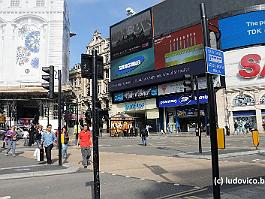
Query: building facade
(82,87)
(34,34)
(151,52)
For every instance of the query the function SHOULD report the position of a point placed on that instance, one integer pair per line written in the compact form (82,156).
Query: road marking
(5,197)
(191,197)
(19,167)
(192,191)
(22,169)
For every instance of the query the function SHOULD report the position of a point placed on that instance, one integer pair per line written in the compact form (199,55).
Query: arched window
(243,100)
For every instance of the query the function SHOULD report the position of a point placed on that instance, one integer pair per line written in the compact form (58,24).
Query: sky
(86,16)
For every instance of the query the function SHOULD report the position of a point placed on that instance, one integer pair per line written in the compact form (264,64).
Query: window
(262,100)
(243,100)
(14,3)
(40,3)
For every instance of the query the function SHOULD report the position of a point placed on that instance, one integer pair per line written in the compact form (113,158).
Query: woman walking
(11,137)
(64,141)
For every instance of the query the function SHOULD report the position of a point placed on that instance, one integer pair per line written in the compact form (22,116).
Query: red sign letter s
(250,62)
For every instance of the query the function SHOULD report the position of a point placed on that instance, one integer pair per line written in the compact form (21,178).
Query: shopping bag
(41,154)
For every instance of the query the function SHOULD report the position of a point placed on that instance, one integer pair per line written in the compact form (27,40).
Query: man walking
(48,138)
(85,142)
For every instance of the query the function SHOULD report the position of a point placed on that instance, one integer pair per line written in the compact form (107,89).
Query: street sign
(215,61)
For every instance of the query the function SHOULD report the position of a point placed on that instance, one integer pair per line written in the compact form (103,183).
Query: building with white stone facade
(33,34)
(83,87)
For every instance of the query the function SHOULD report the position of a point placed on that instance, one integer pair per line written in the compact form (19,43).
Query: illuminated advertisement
(131,35)
(179,47)
(158,76)
(182,100)
(246,67)
(250,28)
(133,64)
(141,93)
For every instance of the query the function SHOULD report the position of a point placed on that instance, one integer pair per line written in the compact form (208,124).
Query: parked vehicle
(20,131)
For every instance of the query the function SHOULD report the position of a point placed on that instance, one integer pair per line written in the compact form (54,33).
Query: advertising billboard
(245,67)
(179,47)
(182,100)
(141,93)
(158,76)
(133,64)
(172,15)
(250,28)
(131,35)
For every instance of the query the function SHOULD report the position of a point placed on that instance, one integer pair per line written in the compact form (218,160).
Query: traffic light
(50,79)
(188,83)
(87,64)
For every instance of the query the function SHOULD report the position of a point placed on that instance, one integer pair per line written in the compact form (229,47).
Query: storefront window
(244,121)
(243,100)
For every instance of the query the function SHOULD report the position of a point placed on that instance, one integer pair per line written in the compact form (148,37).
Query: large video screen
(133,64)
(132,35)
(242,30)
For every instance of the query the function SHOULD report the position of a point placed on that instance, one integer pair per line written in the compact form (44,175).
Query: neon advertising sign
(251,66)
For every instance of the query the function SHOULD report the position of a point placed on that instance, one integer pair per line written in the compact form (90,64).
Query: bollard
(220,138)
(255,138)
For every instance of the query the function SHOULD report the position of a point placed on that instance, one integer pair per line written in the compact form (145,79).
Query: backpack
(144,132)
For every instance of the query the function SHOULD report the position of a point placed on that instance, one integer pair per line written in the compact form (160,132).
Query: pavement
(136,163)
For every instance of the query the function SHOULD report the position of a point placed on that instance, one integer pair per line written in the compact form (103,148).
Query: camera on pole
(49,77)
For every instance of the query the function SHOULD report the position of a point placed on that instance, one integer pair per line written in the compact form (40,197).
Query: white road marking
(5,197)
(22,169)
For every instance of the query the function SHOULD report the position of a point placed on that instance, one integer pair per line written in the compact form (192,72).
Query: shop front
(179,113)
(145,112)
(244,121)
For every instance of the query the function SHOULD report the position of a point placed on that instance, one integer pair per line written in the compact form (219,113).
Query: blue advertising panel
(133,64)
(141,93)
(182,100)
(158,76)
(242,30)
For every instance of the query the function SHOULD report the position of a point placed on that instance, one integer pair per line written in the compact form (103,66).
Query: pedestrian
(144,135)
(85,142)
(4,138)
(48,139)
(38,135)
(26,138)
(32,132)
(65,141)
(11,137)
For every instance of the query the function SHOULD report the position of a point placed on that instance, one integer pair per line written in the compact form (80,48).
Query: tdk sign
(130,65)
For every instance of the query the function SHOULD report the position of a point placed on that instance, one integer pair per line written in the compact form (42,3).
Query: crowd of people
(46,139)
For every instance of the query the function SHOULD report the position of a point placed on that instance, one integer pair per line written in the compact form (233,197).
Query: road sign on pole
(215,61)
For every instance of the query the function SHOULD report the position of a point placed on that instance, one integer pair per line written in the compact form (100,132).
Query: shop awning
(122,117)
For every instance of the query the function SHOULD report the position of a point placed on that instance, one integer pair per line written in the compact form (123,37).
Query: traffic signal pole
(95,126)
(211,108)
(59,116)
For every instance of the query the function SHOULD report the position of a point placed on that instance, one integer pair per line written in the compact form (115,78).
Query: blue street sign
(215,61)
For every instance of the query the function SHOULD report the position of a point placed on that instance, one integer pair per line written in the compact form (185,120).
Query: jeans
(38,143)
(144,140)
(64,150)
(48,151)
(11,144)
(26,141)
(86,153)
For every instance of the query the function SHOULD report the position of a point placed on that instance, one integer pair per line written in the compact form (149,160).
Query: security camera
(130,12)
